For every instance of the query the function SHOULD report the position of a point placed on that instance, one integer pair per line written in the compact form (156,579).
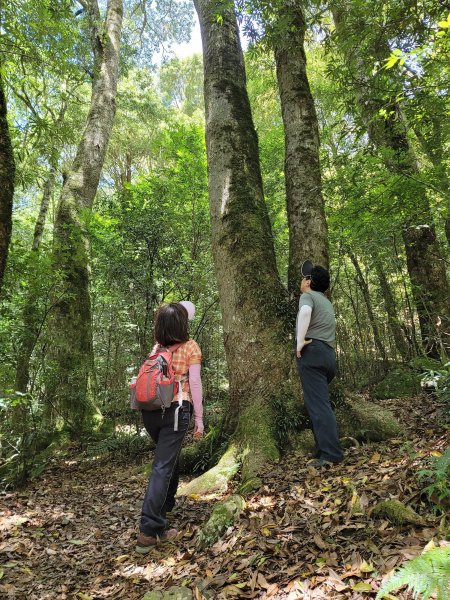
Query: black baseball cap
(306,268)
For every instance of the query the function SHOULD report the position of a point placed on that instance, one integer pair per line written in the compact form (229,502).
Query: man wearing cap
(316,361)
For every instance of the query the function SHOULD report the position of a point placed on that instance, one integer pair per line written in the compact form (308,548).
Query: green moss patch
(223,515)
(216,479)
(397,512)
(365,420)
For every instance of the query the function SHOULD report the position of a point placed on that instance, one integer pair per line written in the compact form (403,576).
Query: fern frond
(424,575)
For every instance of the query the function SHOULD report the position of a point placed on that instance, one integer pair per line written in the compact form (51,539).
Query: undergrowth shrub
(23,439)
(437,477)
(119,446)
(425,575)
(438,380)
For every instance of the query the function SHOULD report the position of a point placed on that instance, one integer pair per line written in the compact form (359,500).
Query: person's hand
(305,343)
(198,435)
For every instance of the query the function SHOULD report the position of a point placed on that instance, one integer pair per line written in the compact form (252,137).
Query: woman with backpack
(167,427)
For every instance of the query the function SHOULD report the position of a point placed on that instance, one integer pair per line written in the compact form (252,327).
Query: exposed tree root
(216,479)
(365,420)
(223,515)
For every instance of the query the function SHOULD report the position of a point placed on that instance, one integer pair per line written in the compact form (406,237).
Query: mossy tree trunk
(308,235)
(251,295)
(7,174)
(388,132)
(70,353)
(253,300)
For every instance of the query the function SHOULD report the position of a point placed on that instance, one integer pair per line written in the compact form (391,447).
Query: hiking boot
(145,543)
(318,463)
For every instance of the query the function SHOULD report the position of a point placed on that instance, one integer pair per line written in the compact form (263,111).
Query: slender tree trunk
(31,321)
(251,294)
(70,352)
(7,173)
(308,236)
(47,194)
(425,263)
(363,286)
(393,320)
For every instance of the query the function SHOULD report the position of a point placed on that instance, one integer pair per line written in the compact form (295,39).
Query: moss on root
(254,436)
(397,512)
(216,479)
(366,421)
(223,515)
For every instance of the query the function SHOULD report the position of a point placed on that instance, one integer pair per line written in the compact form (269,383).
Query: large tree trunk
(7,173)
(425,263)
(308,236)
(70,356)
(251,295)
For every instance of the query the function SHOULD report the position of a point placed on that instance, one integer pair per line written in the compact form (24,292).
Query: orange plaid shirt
(186,355)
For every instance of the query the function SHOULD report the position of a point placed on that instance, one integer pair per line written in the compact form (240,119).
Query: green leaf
(362,587)
(391,61)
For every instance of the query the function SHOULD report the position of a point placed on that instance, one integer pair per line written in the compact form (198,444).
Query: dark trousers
(159,498)
(317,368)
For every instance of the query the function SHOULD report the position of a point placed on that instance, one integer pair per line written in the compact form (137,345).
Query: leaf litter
(307,534)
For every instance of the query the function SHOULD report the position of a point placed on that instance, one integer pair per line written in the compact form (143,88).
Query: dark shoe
(318,463)
(145,543)
(314,454)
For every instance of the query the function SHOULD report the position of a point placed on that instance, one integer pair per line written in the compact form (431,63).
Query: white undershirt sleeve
(303,321)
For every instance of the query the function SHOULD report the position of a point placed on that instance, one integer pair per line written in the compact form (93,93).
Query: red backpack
(155,385)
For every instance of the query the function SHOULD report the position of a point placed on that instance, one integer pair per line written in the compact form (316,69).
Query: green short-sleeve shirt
(323,321)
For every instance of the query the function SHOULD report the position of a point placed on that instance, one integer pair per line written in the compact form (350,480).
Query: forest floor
(306,534)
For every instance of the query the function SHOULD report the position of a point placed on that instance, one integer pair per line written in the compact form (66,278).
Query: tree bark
(425,263)
(252,298)
(308,235)
(7,173)
(70,355)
